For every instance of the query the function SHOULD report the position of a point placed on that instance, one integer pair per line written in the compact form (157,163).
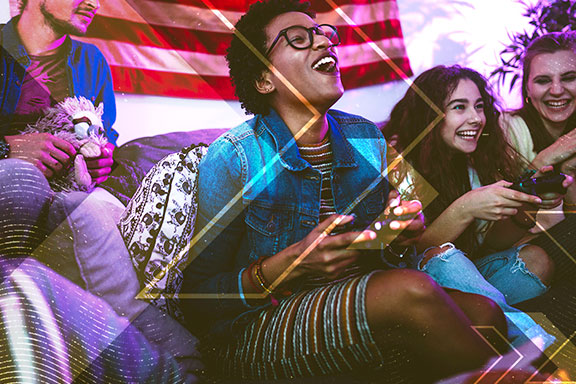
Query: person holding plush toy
(41,66)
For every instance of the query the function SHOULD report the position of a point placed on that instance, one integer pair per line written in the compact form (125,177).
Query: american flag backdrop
(176,47)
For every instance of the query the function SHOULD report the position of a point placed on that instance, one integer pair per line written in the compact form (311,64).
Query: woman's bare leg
(432,323)
(481,310)
(538,262)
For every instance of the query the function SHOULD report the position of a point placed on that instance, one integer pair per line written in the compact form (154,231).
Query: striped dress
(322,330)
(320,158)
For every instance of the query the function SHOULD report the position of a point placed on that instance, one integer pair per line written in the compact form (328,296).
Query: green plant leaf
(543,17)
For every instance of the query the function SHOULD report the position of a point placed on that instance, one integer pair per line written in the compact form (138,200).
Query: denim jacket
(257,196)
(87,70)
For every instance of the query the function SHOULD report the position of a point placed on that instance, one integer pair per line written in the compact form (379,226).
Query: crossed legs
(433,325)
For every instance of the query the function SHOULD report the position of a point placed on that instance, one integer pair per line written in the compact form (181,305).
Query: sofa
(98,261)
(147,151)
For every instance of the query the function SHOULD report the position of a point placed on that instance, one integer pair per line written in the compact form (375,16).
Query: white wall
(467,32)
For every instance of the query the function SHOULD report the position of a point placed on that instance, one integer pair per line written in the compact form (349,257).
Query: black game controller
(549,182)
(381,226)
(376,226)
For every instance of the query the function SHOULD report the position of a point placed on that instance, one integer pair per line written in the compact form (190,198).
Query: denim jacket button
(270,226)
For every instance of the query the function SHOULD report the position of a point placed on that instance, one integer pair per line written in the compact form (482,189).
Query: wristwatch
(4,148)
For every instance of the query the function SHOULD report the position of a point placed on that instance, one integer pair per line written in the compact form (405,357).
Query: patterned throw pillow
(158,224)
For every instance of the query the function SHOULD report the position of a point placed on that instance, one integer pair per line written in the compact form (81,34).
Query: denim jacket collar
(287,148)
(13,45)
(343,154)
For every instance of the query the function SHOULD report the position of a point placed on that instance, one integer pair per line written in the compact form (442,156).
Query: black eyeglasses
(299,37)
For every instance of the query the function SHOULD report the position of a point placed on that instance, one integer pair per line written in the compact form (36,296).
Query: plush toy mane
(79,122)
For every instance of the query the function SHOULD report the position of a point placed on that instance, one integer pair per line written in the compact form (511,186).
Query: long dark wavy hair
(549,43)
(443,167)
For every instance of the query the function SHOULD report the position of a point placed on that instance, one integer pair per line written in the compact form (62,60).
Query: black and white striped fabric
(322,331)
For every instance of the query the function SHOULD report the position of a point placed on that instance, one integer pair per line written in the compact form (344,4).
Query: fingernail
(394,225)
(370,234)
(395,202)
(398,211)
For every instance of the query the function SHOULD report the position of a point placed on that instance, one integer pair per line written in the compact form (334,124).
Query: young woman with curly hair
(451,116)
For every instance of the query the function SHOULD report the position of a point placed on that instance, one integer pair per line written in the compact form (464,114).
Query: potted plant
(545,16)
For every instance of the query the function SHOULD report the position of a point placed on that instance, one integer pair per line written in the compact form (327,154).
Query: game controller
(549,182)
(381,226)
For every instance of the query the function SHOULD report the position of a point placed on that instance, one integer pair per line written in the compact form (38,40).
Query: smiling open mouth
(468,135)
(557,103)
(327,64)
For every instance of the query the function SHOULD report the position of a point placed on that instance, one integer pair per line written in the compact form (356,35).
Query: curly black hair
(245,67)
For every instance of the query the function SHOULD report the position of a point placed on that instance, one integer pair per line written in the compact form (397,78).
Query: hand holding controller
(550,182)
(401,222)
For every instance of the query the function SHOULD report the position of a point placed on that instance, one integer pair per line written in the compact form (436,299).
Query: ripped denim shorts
(502,277)
(504,270)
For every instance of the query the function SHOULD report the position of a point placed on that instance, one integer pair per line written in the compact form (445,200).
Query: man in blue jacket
(40,66)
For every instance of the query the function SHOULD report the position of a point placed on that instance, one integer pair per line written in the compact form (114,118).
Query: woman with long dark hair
(463,149)
(447,127)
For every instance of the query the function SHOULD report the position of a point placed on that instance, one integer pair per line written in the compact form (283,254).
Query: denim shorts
(501,277)
(507,272)
(504,270)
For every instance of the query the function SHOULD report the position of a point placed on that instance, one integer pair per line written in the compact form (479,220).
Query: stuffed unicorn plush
(77,121)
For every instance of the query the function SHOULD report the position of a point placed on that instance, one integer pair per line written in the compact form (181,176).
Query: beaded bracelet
(263,283)
(260,277)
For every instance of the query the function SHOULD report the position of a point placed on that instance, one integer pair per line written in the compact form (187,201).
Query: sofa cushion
(147,151)
(158,224)
(135,158)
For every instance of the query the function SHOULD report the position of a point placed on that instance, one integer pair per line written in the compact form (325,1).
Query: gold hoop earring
(527,100)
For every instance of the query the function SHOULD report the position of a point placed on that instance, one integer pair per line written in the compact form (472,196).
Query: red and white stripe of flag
(176,47)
